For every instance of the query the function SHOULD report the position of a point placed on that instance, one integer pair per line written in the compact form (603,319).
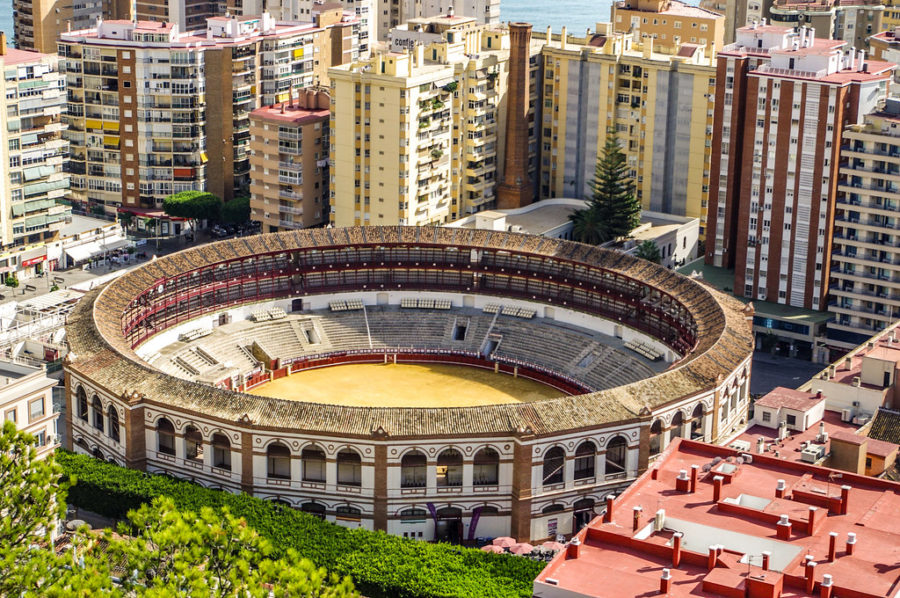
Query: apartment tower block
(783,101)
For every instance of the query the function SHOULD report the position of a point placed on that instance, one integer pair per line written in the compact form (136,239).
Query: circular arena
(435,383)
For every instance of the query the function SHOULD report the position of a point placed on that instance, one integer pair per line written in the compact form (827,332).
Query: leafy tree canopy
(648,250)
(236,211)
(159,552)
(194,205)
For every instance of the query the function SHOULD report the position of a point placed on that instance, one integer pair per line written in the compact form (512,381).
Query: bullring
(640,355)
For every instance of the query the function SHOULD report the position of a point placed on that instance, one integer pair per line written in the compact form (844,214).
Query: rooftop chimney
(851,543)
(665,582)
(676,549)
(694,470)
(610,507)
(766,556)
(832,546)
(516,191)
(783,528)
(573,551)
(563,38)
(826,587)
(717,488)
(711,558)
(779,489)
(636,521)
(810,574)
(683,482)
(845,499)
(812,520)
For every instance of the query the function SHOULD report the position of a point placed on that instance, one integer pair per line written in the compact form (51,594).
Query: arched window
(98,454)
(677,423)
(489,510)
(313,464)
(449,468)
(165,433)
(82,404)
(313,508)
(278,458)
(554,466)
(113,416)
(193,444)
(552,509)
(615,456)
(584,460)
(413,470)
(656,437)
(697,421)
(97,406)
(221,451)
(349,468)
(486,469)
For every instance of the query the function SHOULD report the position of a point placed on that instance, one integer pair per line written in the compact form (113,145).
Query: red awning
(148,213)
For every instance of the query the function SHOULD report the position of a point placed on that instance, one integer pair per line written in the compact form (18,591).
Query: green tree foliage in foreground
(159,552)
(648,250)
(193,205)
(613,210)
(29,491)
(380,565)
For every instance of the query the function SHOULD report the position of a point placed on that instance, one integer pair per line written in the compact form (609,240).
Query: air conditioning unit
(846,415)
(855,403)
(861,420)
(812,453)
(856,381)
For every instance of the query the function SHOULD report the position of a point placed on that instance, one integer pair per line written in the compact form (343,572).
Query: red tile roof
(789,399)
(613,560)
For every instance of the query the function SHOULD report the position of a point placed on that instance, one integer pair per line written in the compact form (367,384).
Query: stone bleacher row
(575,355)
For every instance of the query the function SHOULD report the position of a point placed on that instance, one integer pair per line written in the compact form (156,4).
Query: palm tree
(588,227)
(649,251)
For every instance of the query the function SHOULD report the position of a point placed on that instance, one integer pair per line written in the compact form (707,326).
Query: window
(278,459)
(193,444)
(412,470)
(165,434)
(615,456)
(486,467)
(791,420)
(314,509)
(11,416)
(766,416)
(349,468)
(113,416)
(347,512)
(97,407)
(221,451)
(554,466)
(656,437)
(36,409)
(584,460)
(449,468)
(313,464)
(82,404)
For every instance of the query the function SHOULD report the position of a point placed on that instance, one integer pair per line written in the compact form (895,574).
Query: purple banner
(476,515)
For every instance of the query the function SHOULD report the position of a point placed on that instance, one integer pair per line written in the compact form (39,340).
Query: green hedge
(382,566)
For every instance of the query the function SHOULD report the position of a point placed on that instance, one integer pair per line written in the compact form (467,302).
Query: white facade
(26,399)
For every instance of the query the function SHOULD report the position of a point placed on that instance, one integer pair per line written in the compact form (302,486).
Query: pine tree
(613,207)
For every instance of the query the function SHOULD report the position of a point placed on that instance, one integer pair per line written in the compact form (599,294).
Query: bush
(382,566)
(11,281)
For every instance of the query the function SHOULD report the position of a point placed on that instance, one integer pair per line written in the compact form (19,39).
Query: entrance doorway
(583,513)
(448,526)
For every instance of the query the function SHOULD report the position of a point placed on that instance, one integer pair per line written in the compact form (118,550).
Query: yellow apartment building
(417,133)
(670,23)
(659,104)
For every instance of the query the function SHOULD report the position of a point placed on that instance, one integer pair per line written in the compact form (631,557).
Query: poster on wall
(551,528)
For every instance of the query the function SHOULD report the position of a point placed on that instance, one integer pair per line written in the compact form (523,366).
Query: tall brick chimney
(516,189)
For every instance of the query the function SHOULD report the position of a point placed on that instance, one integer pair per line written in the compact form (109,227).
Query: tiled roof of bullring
(102,354)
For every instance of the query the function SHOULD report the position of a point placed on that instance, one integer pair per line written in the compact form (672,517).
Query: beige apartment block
(154,110)
(26,399)
(670,23)
(32,177)
(853,22)
(289,162)
(865,273)
(660,106)
(417,134)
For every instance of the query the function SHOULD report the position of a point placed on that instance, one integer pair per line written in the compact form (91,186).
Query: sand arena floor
(405,385)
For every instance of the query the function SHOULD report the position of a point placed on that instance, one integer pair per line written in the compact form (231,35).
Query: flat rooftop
(82,224)
(723,279)
(791,447)
(15,371)
(726,532)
